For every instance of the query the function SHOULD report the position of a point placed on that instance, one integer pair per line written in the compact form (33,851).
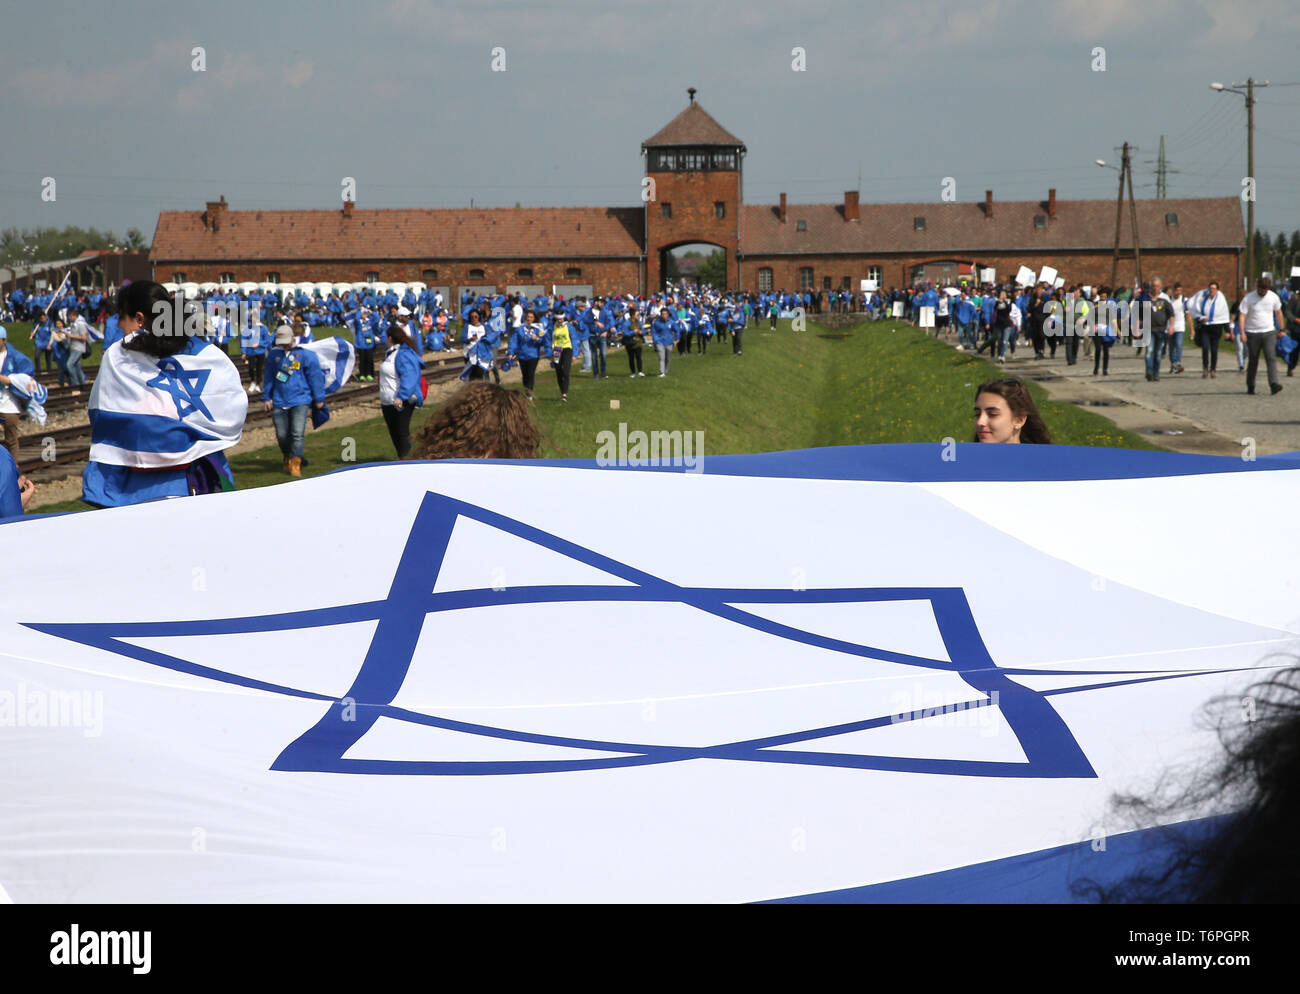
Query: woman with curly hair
(1246,856)
(1005,412)
(482,421)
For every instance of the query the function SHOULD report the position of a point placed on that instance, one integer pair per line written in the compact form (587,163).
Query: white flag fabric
(147,412)
(32,393)
(941,672)
(337,361)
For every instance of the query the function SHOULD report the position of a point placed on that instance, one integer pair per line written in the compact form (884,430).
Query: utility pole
(1133,216)
(1250,173)
(1162,172)
(1125,176)
(1119,219)
(1161,189)
(1249,94)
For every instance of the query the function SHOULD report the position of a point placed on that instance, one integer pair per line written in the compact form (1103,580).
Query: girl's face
(994,421)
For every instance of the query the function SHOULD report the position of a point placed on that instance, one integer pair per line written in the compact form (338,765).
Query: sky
(403,98)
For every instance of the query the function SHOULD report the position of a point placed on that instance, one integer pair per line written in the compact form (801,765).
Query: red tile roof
(693,126)
(454,233)
(954,228)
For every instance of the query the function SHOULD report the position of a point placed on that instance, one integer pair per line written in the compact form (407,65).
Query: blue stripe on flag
(144,432)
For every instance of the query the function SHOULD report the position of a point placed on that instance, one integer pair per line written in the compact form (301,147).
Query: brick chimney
(347,208)
(850,205)
(215,214)
(781,212)
(1051,202)
(988,204)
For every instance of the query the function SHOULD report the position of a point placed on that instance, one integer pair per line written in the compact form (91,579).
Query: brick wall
(692,196)
(1192,268)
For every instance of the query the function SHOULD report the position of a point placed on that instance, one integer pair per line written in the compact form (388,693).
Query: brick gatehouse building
(693,180)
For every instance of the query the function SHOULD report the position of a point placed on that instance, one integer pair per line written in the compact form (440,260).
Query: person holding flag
(165,406)
(1211,318)
(293,381)
(12,363)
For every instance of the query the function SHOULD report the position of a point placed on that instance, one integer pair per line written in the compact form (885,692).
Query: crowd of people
(1154,320)
(496,332)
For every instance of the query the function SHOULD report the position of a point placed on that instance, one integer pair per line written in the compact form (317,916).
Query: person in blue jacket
(399,387)
(292,383)
(15,489)
(42,342)
(580,327)
(526,346)
(988,310)
(363,339)
(706,330)
(964,315)
(737,329)
(254,340)
(664,335)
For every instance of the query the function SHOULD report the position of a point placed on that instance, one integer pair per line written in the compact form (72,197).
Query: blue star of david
(1048,745)
(184,385)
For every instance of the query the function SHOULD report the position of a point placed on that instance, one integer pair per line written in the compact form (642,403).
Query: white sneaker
(961,348)
(662,375)
(640,374)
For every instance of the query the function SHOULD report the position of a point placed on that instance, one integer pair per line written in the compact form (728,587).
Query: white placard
(1060,282)
(988,275)
(1025,276)
(1047,275)
(870,286)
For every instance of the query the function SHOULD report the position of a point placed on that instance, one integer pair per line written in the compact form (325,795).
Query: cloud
(298,73)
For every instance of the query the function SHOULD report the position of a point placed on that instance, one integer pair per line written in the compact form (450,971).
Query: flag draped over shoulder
(148,412)
(31,394)
(337,361)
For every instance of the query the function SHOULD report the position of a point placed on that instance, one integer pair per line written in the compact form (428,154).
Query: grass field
(883,382)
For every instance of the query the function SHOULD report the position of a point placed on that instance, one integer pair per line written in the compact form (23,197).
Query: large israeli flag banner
(148,412)
(883,675)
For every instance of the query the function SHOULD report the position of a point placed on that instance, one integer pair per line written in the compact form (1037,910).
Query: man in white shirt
(1258,318)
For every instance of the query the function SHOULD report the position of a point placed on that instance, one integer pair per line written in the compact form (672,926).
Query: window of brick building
(526,273)
(846,283)
(573,273)
(178,277)
(801,225)
(806,278)
(476,274)
(765,280)
(918,224)
(665,210)
(372,276)
(226,278)
(826,282)
(875,273)
(1171,219)
(273,277)
(429,274)
(719,209)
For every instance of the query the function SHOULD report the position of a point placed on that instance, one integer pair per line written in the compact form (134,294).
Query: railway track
(49,455)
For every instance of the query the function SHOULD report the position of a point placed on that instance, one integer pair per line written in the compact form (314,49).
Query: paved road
(1213,415)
